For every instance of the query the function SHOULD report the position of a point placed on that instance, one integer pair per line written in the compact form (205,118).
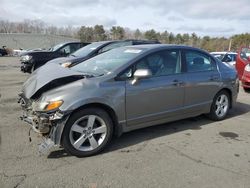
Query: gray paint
(151,101)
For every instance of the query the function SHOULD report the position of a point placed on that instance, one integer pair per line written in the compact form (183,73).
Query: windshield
(56,47)
(86,50)
(108,62)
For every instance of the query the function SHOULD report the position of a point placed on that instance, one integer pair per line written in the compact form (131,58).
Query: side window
(74,47)
(233,57)
(114,45)
(166,62)
(65,50)
(197,62)
(163,63)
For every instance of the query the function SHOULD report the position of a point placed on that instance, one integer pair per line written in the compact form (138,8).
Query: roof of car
(102,42)
(153,46)
(128,40)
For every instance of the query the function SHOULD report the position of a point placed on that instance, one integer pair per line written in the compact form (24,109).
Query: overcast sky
(205,17)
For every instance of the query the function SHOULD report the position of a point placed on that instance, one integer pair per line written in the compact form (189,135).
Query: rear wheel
(220,106)
(87,132)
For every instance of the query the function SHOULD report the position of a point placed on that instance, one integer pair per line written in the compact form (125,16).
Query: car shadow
(149,133)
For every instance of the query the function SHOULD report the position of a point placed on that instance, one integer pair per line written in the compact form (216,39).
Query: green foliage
(117,32)
(240,40)
(99,33)
(152,35)
(86,34)
(206,42)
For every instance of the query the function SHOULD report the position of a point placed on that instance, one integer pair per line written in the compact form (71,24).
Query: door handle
(177,83)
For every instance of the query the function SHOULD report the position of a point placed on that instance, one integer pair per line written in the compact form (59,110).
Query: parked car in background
(227,57)
(243,67)
(96,48)
(31,60)
(127,88)
(3,51)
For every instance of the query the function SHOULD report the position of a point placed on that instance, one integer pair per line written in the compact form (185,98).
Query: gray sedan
(124,89)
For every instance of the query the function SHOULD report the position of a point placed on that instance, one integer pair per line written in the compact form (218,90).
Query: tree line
(99,33)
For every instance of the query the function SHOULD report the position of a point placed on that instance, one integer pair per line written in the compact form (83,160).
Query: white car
(227,57)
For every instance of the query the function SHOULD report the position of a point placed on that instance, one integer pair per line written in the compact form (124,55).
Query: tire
(220,106)
(87,132)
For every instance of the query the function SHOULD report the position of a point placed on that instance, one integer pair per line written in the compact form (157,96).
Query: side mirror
(226,59)
(141,74)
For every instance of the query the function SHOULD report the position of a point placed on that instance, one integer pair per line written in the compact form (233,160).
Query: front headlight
(66,64)
(25,58)
(247,68)
(47,106)
(53,105)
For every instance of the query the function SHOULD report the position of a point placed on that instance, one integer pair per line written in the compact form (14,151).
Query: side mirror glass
(141,74)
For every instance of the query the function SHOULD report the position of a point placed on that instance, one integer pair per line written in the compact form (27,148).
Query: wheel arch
(106,108)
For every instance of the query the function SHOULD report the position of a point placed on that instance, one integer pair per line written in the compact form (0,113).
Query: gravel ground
(195,152)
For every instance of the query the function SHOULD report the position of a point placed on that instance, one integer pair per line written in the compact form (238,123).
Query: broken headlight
(47,106)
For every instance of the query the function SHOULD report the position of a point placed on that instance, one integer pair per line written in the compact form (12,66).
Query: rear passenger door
(202,79)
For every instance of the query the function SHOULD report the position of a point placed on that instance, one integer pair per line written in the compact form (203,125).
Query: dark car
(32,60)
(96,48)
(127,88)
(3,51)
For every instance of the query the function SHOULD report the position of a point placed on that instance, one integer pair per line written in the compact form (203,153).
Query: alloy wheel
(88,133)
(222,104)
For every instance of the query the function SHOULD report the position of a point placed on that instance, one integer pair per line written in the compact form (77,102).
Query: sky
(204,17)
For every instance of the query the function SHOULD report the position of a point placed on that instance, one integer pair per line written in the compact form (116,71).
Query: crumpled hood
(48,77)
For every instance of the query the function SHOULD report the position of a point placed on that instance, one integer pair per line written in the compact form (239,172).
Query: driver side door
(159,98)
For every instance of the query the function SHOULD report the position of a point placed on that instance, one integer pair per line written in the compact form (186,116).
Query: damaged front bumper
(48,124)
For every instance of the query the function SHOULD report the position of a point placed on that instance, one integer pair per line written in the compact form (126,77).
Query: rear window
(197,62)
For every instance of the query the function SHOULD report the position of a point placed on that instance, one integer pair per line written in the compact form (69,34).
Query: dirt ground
(191,153)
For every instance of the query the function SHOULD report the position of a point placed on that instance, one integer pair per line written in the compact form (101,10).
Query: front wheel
(87,132)
(220,106)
